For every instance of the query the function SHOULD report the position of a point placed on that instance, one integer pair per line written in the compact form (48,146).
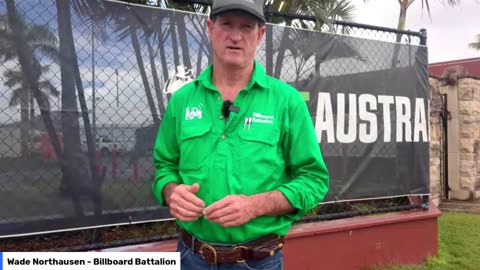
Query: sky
(449,30)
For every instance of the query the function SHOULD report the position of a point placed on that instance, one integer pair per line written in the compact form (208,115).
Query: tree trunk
(32,104)
(156,81)
(204,42)
(404,4)
(24,110)
(182,34)
(25,55)
(70,123)
(163,58)
(143,74)
(281,51)
(97,180)
(200,56)
(269,50)
(173,32)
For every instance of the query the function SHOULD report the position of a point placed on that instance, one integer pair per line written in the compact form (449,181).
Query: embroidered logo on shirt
(194,112)
(262,118)
(257,118)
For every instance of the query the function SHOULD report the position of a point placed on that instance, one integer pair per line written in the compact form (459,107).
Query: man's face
(235,36)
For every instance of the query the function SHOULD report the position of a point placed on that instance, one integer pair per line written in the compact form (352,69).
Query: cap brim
(232,7)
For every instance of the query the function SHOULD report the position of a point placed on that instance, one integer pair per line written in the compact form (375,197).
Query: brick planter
(352,243)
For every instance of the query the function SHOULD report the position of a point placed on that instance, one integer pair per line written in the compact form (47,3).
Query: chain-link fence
(85,84)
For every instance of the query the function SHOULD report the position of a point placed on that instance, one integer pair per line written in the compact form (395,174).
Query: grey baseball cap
(253,7)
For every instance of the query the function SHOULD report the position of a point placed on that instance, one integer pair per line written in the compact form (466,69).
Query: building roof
(471,65)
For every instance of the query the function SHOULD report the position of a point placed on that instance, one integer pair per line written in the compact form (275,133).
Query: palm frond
(475,45)
(4,21)
(51,52)
(327,10)
(7,50)
(44,69)
(94,16)
(450,2)
(43,101)
(13,77)
(16,97)
(87,8)
(47,87)
(41,34)
(5,35)
(7,56)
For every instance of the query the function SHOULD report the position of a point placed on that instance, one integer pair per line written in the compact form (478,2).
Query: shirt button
(219,98)
(220,117)
(223,137)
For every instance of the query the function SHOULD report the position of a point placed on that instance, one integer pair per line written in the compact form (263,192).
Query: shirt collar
(258,77)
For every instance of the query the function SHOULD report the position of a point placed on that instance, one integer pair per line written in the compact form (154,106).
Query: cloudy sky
(449,30)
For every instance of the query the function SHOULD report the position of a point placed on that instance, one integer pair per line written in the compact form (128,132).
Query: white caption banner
(90,261)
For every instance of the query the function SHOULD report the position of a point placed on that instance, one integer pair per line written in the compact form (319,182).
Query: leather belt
(250,251)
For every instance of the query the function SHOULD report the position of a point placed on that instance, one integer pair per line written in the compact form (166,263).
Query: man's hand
(184,205)
(233,210)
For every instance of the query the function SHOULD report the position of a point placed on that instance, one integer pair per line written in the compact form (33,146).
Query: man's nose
(235,35)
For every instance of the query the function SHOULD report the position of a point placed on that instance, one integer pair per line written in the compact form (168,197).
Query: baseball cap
(253,7)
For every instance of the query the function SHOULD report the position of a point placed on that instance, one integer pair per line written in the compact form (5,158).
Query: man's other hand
(184,205)
(233,210)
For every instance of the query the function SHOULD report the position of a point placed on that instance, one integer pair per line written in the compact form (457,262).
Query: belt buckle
(244,249)
(208,247)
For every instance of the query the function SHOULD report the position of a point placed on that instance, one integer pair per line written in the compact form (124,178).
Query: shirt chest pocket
(194,146)
(266,136)
(257,150)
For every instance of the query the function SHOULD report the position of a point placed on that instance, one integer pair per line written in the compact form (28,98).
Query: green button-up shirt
(268,143)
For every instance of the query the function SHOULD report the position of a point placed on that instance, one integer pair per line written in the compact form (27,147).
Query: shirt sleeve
(304,161)
(166,154)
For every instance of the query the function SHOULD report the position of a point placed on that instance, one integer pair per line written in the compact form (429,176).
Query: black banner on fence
(85,84)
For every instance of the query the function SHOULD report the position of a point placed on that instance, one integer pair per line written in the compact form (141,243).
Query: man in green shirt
(237,158)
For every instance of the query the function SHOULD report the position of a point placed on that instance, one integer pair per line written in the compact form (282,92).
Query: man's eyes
(244,26)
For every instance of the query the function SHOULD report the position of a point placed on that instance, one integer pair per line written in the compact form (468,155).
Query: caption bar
(89,260)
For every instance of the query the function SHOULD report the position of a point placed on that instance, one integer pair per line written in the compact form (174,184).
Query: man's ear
(261,32)
(209,28)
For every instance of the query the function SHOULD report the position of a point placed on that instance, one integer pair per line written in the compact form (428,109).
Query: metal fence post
(423,36)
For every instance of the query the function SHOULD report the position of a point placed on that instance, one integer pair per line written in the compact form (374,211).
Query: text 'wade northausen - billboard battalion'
(368,100)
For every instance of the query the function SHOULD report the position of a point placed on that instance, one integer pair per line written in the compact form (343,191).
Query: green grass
(459,244)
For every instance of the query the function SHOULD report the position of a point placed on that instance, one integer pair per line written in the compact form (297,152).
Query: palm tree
(71,81)
(16,80)
(405,4)
(402,19)
(179,20)
(475,45)
(40,40)
(178,25)
(96,13)
(323,10)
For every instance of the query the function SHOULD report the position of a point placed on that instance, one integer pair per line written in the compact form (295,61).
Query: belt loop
(192,248)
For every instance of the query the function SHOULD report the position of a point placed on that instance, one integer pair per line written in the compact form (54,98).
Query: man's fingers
(226,219)
(191,208)
(220,213)
(193,188)
(212,208)
(217,206)
(185,214)
(192,199)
